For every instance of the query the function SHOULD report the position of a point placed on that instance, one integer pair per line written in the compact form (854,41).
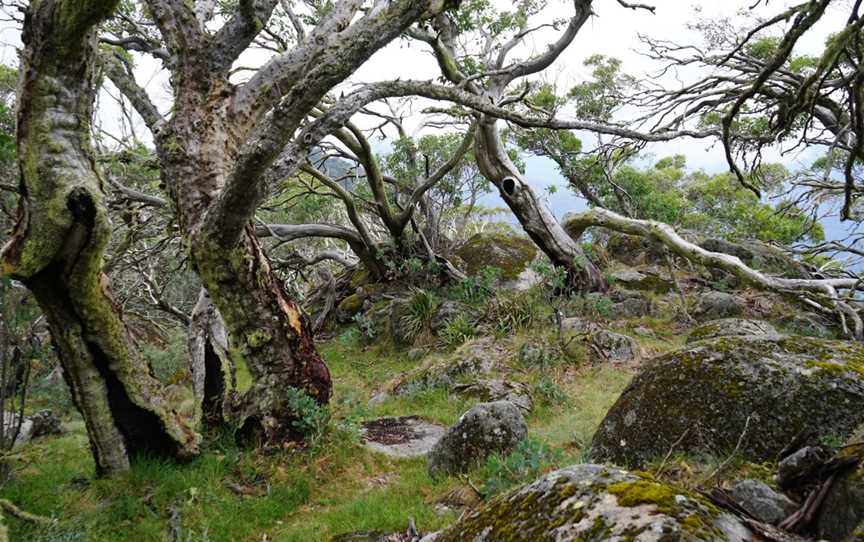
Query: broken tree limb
(822,291)
(7,506)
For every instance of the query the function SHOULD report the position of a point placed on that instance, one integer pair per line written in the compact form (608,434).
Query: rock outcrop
(762,502)
(753,394)
(509,253)
(732,327)
(713,305)
(485,429)
(595,502)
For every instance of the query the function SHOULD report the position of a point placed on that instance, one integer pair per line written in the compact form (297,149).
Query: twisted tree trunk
(60,238)
(533,215)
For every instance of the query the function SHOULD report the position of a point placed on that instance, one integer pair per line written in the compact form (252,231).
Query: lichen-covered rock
(701,398)
(615,346)
(594,503)
(509,253)
(732,327)
(485,429)
(638,280)
(579,326)
(808,324)
(762,502)
(472,359)
(760,256)
(629,304)
(713,305)
(497,389)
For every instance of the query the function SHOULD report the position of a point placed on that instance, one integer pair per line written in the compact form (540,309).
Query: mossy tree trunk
(59,240)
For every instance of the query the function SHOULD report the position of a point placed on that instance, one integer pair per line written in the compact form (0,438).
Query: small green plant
(603,306)
(549,392)
(832,441)
(417,319)
(476,289)
(512,311)
(592,306)
(458,330)
(529,460)
(310,418)
(366,326)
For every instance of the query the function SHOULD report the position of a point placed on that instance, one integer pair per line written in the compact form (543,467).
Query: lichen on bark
(58,243)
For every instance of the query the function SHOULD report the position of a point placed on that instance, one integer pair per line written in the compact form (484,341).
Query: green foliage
(512,311)
(417,319)
(550,393)
(714,205)
(476,289)
(598,99)
(458,330)
(763,48)
(528,461)
(594,306)
(310,419)
(169,360)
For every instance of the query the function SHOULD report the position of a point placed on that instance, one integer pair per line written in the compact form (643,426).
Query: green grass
(230,494)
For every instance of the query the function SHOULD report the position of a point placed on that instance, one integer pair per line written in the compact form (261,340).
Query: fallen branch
(825,290)
(23,515)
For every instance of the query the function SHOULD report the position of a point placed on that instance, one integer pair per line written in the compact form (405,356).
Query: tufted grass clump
(417,319)
(476,289)
(458,330)
(528,461)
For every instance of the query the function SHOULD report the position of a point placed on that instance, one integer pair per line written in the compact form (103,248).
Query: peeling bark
(59,241)
(214,378)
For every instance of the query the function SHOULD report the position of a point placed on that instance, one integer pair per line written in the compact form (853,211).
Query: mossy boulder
(509,253)
(732,327)
(594,503)
(713,305)
(650,279)
(351,305)
(487,428)
(629,304)
(633,249)
(809,324)
(702,397)
(473,359)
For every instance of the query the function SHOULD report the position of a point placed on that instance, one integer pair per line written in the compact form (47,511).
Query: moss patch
(509,253)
